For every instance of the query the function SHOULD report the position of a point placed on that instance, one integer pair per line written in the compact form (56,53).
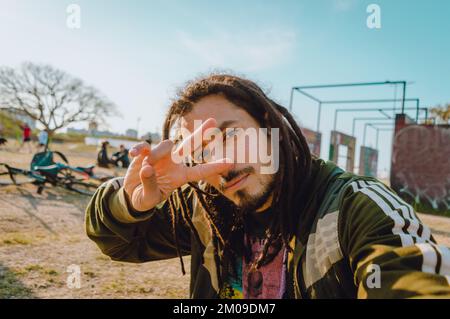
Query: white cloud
(247,51)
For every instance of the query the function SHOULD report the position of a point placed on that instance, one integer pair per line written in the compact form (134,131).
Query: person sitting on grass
(103,159)
(3,140)
(120,158)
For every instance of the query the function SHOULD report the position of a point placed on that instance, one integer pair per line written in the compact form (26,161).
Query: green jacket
(357,239)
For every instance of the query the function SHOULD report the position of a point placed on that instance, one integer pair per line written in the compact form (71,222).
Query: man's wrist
(123,211)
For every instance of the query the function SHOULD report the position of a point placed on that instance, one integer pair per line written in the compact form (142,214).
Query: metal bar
(395,97)
(373,124)
(318,116)
(301,88)
(291,99)
(335,119)
(376,141)
(404,96)
(417,111)
(377,109)
(323,86)
(364,135)
(365,110)
(366,119)
(308,95)
(376,128)
(365,128)
(385,114)
(367,101)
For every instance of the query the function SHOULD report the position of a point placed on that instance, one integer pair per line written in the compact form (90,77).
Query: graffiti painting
(420,170)
(368,161)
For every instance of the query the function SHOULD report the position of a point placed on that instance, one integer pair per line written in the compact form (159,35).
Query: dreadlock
(226,221)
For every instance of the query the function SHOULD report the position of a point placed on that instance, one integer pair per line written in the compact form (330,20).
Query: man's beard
(250,202)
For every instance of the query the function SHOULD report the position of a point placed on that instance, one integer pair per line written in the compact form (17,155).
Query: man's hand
(152,175)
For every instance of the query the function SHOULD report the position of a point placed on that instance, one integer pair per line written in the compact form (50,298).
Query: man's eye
(230,133)
(202,156)
(206,154)
(198,157)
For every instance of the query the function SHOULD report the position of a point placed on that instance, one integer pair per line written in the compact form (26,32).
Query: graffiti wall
(337,139)
(420,170)
(314,139)
(368,161)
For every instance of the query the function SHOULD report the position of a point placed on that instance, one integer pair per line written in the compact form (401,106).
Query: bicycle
(44,170)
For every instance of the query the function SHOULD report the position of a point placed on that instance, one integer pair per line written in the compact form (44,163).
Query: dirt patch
(41,236)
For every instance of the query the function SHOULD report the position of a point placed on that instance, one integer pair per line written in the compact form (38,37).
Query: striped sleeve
(123,235)
(391,253)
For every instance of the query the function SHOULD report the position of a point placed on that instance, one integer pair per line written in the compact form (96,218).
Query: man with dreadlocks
(308,230)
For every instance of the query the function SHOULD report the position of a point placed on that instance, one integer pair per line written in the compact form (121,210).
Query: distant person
(3,140)
(26,137)
(121,157)
(103,159)
(43,138)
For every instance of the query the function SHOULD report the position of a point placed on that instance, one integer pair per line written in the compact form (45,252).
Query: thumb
(202,171)
(148,179)
(146,195)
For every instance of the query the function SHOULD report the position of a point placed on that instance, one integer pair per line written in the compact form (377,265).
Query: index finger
(194,140)
(142,148)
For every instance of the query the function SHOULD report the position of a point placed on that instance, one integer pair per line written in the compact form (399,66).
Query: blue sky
(139,52)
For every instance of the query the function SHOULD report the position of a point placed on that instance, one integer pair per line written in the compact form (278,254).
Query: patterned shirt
(269,281)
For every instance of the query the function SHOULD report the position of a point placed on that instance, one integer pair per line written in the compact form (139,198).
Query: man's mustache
(235,173)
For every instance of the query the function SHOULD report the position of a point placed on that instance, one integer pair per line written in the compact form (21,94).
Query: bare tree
(51,96)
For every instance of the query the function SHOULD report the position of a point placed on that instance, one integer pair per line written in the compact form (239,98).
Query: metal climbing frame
(302,90)
(381,110)
(378,129)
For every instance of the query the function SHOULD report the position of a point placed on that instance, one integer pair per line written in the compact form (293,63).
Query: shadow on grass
(11,287)
(33,202)
(54,194)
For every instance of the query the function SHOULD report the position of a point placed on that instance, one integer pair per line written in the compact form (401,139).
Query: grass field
(42,235)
